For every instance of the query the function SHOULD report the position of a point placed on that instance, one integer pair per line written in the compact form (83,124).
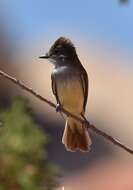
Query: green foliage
(23,164)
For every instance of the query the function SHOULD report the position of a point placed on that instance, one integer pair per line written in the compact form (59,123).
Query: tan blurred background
(109,107)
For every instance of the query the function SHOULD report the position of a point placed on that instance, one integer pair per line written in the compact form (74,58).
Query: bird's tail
(76,136)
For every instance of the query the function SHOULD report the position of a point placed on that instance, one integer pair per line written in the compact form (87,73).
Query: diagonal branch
(92,127)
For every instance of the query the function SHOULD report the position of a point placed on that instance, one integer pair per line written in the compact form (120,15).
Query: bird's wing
(54,87)
(84,81)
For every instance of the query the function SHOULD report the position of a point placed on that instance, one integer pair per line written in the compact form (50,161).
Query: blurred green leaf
(23,152)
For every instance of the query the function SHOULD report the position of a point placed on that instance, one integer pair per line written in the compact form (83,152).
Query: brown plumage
(75,138)
(70,87)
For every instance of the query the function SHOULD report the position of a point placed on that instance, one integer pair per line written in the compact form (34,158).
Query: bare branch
(92,127)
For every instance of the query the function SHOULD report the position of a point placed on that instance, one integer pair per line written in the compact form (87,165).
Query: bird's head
(62,49)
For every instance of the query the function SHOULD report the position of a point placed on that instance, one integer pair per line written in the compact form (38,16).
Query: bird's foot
(85,123)
(58,108)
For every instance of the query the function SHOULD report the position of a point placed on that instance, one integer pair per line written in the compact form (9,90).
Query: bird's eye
(56,51)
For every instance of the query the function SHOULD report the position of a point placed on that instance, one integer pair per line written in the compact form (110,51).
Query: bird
(69,81)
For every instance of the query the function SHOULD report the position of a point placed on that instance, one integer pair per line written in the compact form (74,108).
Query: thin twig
(92,127)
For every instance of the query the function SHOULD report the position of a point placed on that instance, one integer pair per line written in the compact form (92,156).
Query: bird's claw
(85,125)
(58,108)
(85,122)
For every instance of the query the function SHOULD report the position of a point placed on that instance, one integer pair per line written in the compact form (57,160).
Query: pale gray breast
(69,89)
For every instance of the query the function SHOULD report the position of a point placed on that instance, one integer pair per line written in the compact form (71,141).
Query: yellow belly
(70,94)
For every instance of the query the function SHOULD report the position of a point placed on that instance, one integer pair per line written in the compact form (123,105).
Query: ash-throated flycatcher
(70,87)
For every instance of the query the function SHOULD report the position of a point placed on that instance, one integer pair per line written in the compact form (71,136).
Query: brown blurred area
(109,108)
(103,175)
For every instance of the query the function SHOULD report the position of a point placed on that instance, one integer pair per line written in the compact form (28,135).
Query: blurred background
(102,33)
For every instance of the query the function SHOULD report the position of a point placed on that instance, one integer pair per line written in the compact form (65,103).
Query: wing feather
(84,80)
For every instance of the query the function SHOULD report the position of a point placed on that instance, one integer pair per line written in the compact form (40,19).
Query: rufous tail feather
(76,136)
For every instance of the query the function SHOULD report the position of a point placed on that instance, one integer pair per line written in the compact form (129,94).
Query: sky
(104,21)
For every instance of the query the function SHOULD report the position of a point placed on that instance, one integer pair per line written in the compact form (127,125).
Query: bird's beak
(46,56)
